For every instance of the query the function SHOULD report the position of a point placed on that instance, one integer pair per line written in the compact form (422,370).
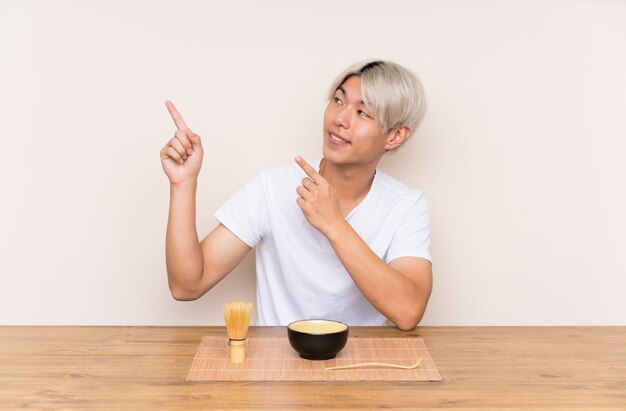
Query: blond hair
(393,93)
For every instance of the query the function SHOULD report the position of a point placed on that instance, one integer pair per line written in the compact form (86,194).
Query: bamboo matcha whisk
(237,316)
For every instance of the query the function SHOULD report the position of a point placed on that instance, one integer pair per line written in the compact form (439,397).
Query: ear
(396,137)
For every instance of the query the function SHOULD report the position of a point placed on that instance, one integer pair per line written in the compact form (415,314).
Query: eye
(363,114)
(337,100)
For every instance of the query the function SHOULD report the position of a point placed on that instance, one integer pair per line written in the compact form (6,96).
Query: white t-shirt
(299,276)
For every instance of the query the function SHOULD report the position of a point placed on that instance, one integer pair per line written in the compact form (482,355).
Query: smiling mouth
(336,139)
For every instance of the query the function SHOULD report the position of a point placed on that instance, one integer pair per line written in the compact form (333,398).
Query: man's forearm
(391,293)
(182,248)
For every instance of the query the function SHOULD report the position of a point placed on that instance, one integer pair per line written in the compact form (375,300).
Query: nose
(342,118)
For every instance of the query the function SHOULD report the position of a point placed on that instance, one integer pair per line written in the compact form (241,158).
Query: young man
(336,238)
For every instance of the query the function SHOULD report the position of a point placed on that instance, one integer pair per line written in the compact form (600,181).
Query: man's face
(351,133)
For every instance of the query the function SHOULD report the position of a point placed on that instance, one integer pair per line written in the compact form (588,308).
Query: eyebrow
(346,94)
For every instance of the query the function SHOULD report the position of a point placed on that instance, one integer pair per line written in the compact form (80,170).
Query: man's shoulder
(395,189)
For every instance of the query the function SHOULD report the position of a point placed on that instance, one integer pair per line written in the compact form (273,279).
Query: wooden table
(484,368)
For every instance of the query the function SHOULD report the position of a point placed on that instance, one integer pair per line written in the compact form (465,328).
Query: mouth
(335,139)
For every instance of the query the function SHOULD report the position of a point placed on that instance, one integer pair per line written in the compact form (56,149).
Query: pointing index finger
(178,119)
(310,171)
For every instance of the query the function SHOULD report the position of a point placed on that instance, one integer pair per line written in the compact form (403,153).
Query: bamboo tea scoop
(378,364)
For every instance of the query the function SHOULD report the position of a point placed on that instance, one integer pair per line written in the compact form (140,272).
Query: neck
(350,182)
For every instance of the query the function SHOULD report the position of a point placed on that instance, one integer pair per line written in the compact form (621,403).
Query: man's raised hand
(318,200)
(181,157)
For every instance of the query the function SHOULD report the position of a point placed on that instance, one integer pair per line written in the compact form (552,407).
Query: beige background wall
(521,153)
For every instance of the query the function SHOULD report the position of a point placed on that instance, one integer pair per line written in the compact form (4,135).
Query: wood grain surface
(484,368)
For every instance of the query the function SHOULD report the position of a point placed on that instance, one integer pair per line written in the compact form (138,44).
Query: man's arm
(399,290)
(193,268)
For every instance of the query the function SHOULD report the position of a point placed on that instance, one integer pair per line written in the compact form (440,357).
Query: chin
(332,155)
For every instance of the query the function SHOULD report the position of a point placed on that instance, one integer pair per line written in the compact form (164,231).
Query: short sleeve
(245,213)
(412,236)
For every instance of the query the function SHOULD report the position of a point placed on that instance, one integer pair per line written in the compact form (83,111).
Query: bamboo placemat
(273,359)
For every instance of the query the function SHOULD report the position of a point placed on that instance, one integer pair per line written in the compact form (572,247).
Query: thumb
(196,144)
(194,138)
